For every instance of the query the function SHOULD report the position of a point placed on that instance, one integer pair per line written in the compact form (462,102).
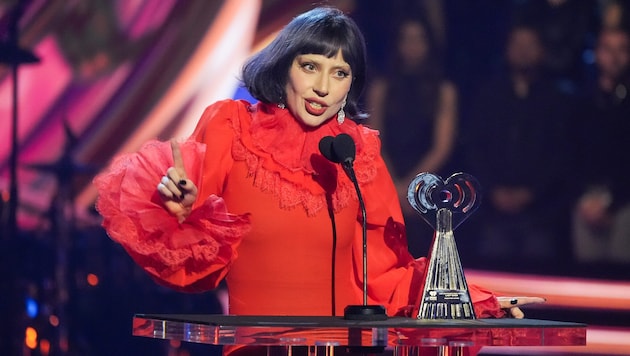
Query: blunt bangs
(327,41)
(322,31)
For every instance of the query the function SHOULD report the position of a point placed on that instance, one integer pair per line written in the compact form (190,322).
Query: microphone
(325,147)
(342,149)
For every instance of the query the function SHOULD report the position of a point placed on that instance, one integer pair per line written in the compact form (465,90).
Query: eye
(342,74)
(307,66)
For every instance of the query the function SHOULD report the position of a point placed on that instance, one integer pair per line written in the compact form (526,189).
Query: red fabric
(280,153)
(302,255)
(174,254)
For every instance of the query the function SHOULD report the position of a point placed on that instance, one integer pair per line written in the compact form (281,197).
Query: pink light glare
(39,86)
(194,79)
(37,188)
(224,54)
(559,291)
(45,101)
(138,19)
(85,105)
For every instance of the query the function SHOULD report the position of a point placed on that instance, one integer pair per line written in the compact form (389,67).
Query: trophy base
(365,312)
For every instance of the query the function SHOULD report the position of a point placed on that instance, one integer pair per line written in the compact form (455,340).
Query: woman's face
(317,87)
(524,50)
(413,46)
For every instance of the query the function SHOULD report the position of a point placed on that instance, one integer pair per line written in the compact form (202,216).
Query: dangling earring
(281,106)
(341,115)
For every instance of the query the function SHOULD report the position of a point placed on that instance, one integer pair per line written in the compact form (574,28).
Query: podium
(405,336)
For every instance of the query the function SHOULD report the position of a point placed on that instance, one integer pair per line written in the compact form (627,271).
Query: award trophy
(444,205)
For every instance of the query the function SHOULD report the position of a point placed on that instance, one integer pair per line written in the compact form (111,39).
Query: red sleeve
(216,131)
(395,278)
(192,256)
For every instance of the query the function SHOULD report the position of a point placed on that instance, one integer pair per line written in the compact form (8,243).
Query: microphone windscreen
(343,148)
(326,149)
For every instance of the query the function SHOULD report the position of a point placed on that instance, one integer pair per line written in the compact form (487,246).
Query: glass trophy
(444,204)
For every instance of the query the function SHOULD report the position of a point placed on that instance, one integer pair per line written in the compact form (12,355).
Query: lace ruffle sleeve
(192,256)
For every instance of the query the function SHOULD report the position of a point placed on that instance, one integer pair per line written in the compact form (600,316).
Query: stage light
(53,320)
(44,347)
(32,308)
(92,279)
(30,338)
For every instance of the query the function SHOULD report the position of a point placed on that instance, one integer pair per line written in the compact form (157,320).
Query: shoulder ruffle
(134,216)
(284,159)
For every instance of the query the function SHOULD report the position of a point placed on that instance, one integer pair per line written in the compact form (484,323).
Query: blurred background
(530,96)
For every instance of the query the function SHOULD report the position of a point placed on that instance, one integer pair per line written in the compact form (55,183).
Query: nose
(320,86)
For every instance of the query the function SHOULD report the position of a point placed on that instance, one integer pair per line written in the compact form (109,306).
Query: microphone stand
(364,311)
(12,54)
(341,149)
(349,169)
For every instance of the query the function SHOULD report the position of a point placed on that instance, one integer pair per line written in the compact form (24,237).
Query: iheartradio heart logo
(459,193)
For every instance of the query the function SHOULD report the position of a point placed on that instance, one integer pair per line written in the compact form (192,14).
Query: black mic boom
(342,149)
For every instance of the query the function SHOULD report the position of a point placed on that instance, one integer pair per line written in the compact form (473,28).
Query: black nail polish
(182,182)
(514,301)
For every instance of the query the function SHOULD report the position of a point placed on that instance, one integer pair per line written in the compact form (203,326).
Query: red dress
(291,242)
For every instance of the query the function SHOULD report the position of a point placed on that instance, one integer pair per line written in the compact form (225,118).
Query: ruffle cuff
(485,303)
(134,216)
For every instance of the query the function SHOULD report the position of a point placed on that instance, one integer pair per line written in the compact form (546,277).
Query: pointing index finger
(178,161)
(510,302)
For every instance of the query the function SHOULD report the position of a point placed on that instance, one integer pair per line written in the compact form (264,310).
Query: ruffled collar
(283,157)
(290,143)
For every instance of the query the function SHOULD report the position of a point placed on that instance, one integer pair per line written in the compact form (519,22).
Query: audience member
(380,22)
(614,14)
(415,109)
(601,222)
(564,27)
(517,146)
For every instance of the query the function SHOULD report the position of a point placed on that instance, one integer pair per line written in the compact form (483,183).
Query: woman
(291,242)
(414,106)
(415,109)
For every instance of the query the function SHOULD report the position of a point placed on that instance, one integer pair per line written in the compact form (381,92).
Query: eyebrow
(345,66)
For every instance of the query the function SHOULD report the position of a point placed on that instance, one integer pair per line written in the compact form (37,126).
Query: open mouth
(315,105)
(315,108)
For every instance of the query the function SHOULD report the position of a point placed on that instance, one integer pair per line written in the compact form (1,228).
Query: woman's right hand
(177,191)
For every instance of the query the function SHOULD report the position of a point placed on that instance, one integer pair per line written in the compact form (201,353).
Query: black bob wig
(324,31)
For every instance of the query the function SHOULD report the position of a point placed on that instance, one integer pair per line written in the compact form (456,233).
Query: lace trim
(134,216)
(304,188)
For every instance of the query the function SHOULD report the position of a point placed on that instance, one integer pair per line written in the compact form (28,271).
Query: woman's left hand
(512,304)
